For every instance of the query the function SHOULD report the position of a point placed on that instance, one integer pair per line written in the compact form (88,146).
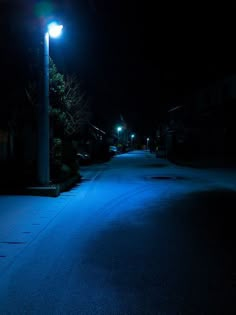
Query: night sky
(136,58)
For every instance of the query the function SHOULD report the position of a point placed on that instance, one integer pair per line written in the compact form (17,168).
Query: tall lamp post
(132,140)
(118,132)
(52,30)
(147,142)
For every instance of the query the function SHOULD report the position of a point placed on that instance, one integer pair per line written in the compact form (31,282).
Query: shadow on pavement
(176,257)
(155,165)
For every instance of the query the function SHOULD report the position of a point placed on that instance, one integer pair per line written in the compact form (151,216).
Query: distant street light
(132,139)
(119,129)
(147,142)
(52,30)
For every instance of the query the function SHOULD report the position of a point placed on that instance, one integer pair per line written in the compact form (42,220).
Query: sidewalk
(24,217)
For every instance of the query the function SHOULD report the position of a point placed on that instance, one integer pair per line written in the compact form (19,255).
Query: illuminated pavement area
(138,236)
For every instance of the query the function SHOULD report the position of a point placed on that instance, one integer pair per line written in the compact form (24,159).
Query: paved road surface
(138,236)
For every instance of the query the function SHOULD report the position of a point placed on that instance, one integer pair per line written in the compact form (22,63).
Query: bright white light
(132,136)
(148,139)
(54,29)
(119,128)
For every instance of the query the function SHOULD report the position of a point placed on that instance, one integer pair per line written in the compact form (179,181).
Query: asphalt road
(137,236)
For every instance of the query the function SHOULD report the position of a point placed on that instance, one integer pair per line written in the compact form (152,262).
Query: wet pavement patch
(167,177)
(156,165)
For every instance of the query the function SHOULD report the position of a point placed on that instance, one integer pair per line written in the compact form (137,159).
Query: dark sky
(137,57)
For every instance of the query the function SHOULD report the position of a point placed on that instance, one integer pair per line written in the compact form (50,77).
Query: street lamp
(147,142)
(132,139)
(52,30)
(119,129)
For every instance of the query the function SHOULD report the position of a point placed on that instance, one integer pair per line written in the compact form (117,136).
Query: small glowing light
(132,136)
(54,29)
(148,139)
(119,128)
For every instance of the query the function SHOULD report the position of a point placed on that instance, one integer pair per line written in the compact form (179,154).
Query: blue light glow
(54,29)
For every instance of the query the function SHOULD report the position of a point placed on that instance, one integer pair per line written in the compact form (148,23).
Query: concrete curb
(53,190)
(49,191)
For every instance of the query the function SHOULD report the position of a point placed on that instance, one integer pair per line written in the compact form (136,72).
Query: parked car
(83,158)
(113,150)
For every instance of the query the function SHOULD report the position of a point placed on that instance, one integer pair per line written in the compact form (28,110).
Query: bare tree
(69,110)
(76,107)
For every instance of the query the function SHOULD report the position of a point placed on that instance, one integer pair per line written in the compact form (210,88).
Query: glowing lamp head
(54,29)
(132,136)
(119,129)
